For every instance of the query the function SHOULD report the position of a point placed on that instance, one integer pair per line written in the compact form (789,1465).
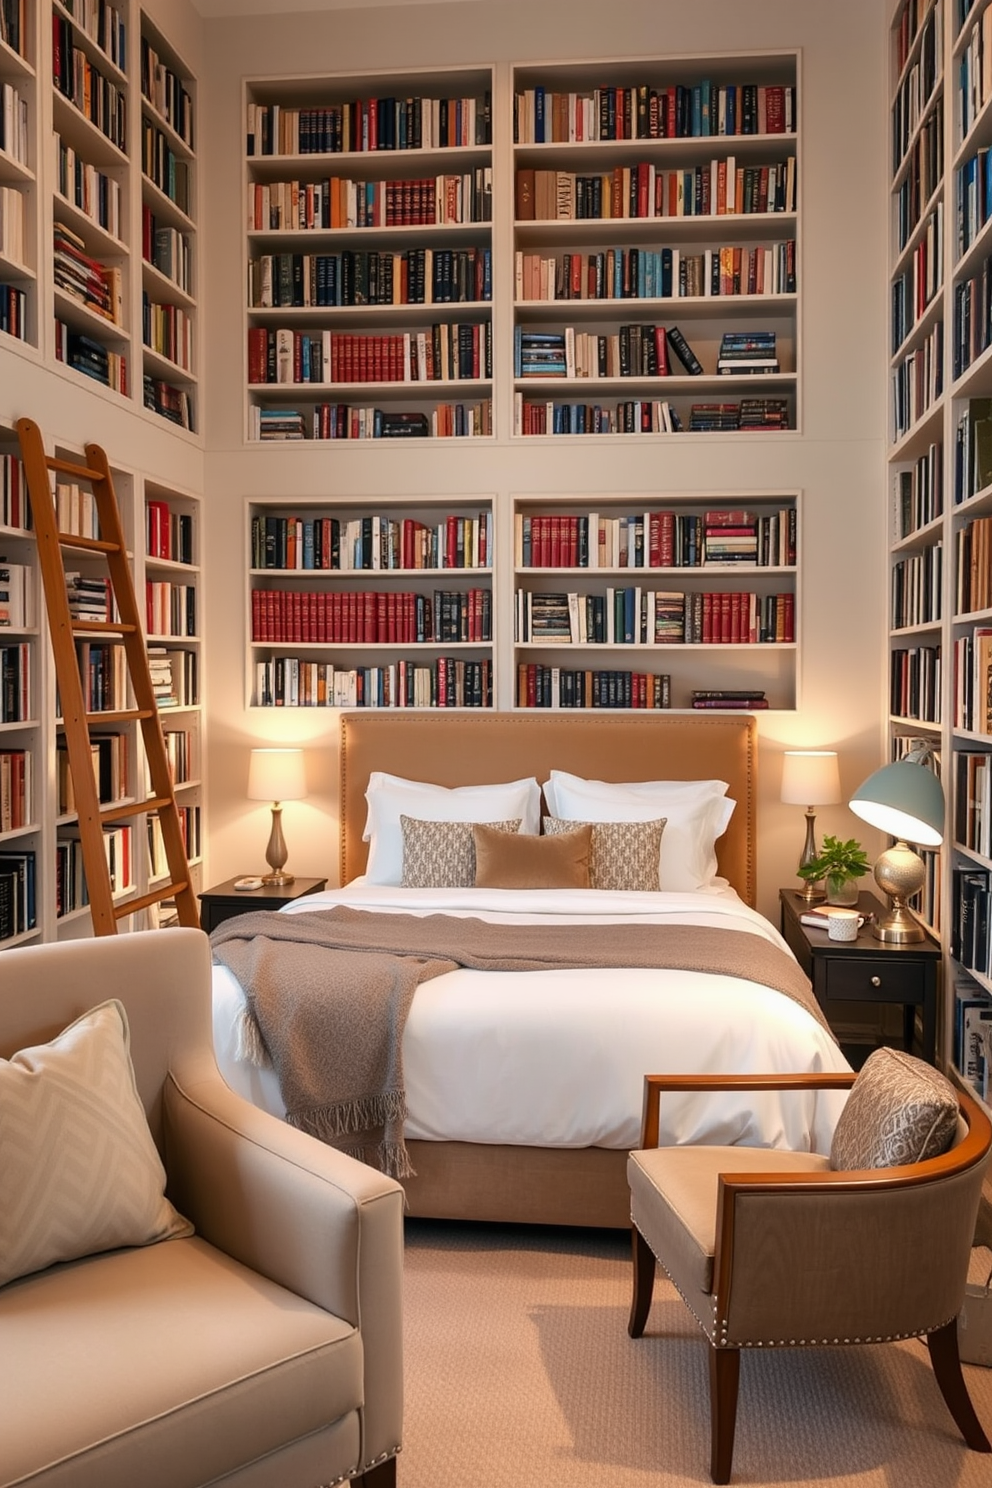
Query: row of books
(568,687)
(454,352)
(12,223)
(70,880)
(92,191)
(98,99)
(643,111)
(973,1036)
(18,893)
(13,26)
(371,542)
(168,533)
(634,350)
(973,566)
(15,683)
(111,771)
(919,492)
(744,352)
(632,616)
(166,91)
(918,381)
(167,249)
(15,507)
(104,24)
(972,681)
(17,599)
(973,190)
(351,421)
(655,539)
(96,285)
(14,134)
(663,273)
(360,125)
(168,401)
(170,609)
(418,276)
(190,829)
(912,291)
(971,328)
(914,683)
(915,588)
(924,173)
(973,801)
(167,330)
(13,311)
(971,928)
(90,357)
(339,201)
(371,617)
(16,793)
(721,188)
(647,416)
(173,676)
(447,682)
(164,168)
(916,88)
(973,449)
(103,673)
(975,72)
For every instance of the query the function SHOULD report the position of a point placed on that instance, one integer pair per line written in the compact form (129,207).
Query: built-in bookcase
(369,273)
(940,464)
(18,176)
(42,889)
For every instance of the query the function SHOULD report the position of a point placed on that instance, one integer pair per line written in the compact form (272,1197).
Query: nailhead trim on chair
(354,1471)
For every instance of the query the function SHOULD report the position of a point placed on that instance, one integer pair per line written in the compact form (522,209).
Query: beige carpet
(520,1374)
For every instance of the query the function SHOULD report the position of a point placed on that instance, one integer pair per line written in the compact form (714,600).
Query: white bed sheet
(557,1058)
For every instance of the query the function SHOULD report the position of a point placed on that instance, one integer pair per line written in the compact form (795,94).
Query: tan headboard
(471,749)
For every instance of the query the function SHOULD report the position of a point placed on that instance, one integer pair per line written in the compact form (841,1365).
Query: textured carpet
(520,1374)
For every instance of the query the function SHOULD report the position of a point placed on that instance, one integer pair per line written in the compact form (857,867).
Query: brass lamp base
(900,873)
(278,880)
(813,890)
(276,853)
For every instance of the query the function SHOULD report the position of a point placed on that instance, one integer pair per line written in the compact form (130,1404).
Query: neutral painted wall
(838,462)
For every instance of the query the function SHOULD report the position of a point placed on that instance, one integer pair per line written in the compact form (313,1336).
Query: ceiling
(212,9)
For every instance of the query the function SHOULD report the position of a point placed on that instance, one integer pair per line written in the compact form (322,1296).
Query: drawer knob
(876,981)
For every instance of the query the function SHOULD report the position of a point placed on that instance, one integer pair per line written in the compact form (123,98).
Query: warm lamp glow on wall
(905,800)
(276,775)
(810,777)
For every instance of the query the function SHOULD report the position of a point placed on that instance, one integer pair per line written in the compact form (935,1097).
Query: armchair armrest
(317,1222)
(655,1084)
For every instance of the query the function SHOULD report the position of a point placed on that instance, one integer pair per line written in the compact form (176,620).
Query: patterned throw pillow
(79,1172)
(528,862)
(624,855)
(900,1110)
(441,855)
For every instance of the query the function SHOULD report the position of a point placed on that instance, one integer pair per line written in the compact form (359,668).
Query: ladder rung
(90,544)
(132,906)
(135,808)
(70,467)
(103,627)
(120,715)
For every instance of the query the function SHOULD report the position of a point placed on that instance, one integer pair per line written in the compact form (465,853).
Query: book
(684,352)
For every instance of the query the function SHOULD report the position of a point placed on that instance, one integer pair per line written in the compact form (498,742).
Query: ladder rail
(76,720)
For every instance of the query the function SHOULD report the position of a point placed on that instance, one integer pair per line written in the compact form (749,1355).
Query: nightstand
(866,971)
(225,901)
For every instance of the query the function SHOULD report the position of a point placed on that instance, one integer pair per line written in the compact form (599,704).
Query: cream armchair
(265,1348)
(772,1249)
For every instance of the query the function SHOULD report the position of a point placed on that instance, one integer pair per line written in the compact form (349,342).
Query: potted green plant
(840,864)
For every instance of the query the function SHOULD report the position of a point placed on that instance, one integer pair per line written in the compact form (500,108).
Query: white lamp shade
(810,777)
(276,775)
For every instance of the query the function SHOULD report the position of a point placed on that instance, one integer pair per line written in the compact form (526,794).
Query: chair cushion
(166,1367)
(79,1171)
(673,1200)
(900,1110)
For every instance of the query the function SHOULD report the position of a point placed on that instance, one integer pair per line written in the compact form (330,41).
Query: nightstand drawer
(861,979)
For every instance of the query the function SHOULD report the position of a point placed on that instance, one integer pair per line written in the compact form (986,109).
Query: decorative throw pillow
(441,855)
(622,856)
(900,1110)
(79,1171)
(516,862)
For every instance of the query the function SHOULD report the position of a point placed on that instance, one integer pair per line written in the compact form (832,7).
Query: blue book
(696,128)
(308,546)
(517,351)
(539,116)
(665,288)
(731,108)
(618,274)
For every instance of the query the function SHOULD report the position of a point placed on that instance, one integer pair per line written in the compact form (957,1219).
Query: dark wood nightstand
(225,901)
(866,970)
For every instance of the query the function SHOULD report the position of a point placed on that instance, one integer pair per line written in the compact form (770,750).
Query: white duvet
(558,1058)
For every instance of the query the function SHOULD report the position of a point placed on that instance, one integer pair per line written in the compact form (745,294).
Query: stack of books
(160,671)
(763,413)
(747,352)
(279,423)
(745,699)
(539,353)
(96,285)
(89,599)
(730,536)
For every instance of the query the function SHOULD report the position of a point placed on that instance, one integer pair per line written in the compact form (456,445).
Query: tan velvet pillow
(505,861)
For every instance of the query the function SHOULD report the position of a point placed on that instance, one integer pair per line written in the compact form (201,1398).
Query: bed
(524,1088)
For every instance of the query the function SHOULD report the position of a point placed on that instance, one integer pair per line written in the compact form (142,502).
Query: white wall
(838,461)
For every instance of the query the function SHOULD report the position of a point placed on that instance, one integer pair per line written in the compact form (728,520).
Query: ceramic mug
(843,924)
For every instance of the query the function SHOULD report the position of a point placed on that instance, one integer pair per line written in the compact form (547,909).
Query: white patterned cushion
(441,855)
(623,855)
(79,1171)
(900,1110)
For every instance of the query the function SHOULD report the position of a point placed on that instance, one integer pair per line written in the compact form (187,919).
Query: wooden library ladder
(77,722)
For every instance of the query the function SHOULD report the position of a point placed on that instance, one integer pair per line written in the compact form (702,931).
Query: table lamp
(905,800)
(810,777)
(276,775)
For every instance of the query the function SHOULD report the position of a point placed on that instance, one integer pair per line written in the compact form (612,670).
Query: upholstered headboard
(474,748)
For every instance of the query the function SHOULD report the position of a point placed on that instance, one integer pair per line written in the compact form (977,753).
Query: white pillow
(696,812)
(391,796)
(79,1171)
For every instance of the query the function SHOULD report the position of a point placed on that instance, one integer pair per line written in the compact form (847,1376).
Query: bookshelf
(371,604)
(18,177)
(42,830)
(369,272)
(623,601)
(662,199)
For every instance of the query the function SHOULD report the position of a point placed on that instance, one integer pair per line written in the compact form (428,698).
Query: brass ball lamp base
(900,873)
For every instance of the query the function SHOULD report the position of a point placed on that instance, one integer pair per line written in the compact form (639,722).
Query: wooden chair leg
(943,1346)
(644,1269)
(383,1476)
(725,1372)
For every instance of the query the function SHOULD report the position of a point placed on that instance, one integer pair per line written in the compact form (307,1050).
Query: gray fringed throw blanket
(328,993)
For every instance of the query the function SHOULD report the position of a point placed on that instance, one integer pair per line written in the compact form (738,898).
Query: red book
(643,177)
(451,543)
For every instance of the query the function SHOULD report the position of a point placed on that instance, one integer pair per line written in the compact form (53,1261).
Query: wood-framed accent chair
(263,1348)
(772,1249)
